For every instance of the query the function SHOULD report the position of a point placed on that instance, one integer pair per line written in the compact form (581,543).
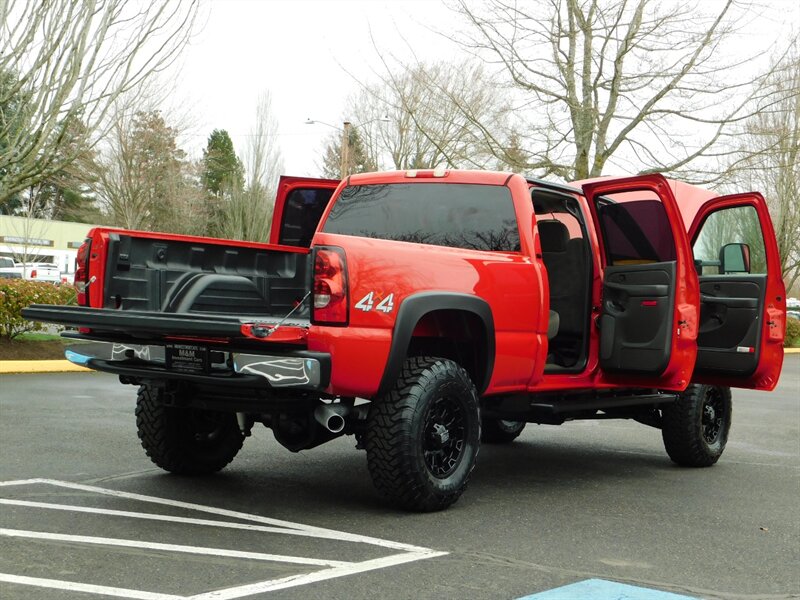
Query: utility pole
(345,151)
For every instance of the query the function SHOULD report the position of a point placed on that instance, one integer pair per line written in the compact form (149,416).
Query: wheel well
(454,334)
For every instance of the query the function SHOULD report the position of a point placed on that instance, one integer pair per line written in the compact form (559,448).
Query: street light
(344,151)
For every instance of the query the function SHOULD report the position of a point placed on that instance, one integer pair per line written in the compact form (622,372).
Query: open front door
(649,303)
(299,205)
(743,300)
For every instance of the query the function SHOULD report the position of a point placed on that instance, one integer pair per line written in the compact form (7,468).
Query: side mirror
(734,258)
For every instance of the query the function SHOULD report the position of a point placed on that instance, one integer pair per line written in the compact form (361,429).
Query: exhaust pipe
(331,416)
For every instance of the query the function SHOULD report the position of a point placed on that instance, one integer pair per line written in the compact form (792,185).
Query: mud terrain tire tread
(682,426)
(168,438)
(395,430)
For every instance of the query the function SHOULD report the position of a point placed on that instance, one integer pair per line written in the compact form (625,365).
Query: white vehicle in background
(792,303)
(31,271)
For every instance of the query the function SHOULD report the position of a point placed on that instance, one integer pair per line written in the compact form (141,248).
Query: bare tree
(768,160)
(417,116)
(67,59)
(142,177)
(247,215)
(644,85)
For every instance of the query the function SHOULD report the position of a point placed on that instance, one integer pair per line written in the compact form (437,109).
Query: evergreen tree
(359,160)
(221,167)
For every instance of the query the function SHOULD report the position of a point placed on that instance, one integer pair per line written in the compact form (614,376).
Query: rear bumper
(296,369)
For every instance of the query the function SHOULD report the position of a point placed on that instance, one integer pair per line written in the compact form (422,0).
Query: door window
(730,242)
(636,232)
(301,214)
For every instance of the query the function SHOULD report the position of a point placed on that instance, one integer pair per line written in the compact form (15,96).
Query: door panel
(636,318)
(649,308)
(740,341)
(730,324)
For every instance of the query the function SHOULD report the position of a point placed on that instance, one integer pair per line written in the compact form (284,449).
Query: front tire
(185,441)
(695,427)
(423,436)
(500,431)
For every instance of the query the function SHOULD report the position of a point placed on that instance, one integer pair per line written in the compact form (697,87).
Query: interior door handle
(729,302)
(638,289)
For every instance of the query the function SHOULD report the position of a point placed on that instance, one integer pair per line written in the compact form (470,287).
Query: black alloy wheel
(695,427)
(445,434)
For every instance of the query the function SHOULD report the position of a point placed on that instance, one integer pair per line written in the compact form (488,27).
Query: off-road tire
(423,436)
(695,427)
(500,431)
(185,441)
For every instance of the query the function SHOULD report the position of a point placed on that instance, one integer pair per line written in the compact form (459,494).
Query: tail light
(82,272)
(33,273)
(329,298)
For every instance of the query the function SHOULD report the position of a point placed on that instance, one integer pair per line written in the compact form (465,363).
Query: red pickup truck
(425,312)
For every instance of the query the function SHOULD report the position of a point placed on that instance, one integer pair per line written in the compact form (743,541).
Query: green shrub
(792,332)
(16,294)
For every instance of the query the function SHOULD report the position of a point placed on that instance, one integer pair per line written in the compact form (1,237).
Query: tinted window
(301,214)
(479,217)
(636,232)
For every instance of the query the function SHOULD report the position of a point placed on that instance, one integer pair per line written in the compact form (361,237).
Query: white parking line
(286,582)
(56,584)
(327,533)
(408,553)
(335,535)
(103,541)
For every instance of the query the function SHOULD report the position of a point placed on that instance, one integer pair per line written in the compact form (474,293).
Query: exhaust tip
(331,416)
(335,424)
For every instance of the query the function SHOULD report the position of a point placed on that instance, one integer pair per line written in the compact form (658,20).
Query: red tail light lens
(82,272)
(329,298)
(33,273)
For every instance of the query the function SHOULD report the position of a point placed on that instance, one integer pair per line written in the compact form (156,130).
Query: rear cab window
(471,216)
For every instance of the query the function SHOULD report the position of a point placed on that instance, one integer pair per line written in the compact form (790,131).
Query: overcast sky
(306,52)
(301,51)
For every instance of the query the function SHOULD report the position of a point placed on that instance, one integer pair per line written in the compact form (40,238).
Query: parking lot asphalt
(87,512)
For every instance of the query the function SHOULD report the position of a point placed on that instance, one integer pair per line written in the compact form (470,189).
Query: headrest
(553,235)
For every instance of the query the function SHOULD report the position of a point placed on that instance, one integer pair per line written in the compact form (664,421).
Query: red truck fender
(415,308)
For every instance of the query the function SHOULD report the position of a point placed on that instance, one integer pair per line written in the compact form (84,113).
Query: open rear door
(649,302)
(299,205)
(743,300)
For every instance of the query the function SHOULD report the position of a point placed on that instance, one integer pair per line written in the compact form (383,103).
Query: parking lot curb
(64,366)
(39,366)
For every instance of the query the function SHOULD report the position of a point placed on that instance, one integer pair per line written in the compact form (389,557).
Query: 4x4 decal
(367,303)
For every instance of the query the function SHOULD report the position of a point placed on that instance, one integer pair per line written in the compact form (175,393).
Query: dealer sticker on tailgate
(187,358)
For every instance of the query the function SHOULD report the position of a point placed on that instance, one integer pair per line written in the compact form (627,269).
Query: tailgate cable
(263,331)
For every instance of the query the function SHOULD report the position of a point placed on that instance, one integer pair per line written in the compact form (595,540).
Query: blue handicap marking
(600,589)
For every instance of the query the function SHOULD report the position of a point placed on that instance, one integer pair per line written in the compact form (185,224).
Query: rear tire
(423,436)
(185,441)
(500,431)
(695,427)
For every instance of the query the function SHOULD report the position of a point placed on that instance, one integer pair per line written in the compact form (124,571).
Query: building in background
(38,240)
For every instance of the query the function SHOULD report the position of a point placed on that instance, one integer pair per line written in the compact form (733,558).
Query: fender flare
(416,306)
